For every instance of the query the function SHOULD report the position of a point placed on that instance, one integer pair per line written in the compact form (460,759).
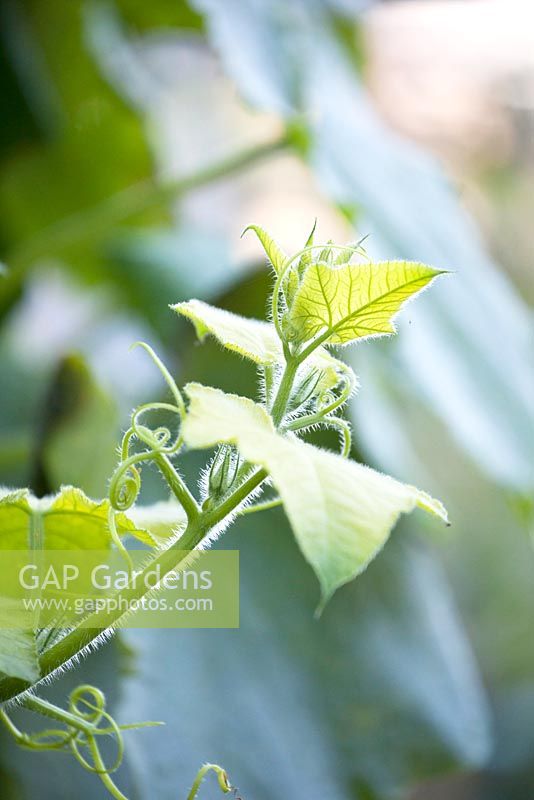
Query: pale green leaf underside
(18,649)
(251,338)
(274,253)
(341,512)
(163,520)
(66,521)
(356,300)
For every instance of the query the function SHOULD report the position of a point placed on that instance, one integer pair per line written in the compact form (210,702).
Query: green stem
(217,515)
(177,486)
(314,345)
(102,773)
(265,506)
(284,390)
(46,709)
(330,422)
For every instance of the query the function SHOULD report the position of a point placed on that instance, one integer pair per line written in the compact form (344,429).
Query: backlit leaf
(273,251)
(356,300)
(341,512)
(252,338)
(68,520)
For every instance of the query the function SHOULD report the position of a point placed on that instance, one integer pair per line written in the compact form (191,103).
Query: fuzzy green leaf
(214,416)
(252,338)
(274,253)
(356,300)
(341,512)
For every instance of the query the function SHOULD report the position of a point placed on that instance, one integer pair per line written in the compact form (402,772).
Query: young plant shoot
(324,298)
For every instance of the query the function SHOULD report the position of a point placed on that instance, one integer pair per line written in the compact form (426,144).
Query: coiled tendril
(222,779)
(125,483)
(85,721)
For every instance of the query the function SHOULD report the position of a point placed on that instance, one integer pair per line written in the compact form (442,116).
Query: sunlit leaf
(252,338)
(275,255)
(341,512)
(68,520)
(458,361)
(355,300)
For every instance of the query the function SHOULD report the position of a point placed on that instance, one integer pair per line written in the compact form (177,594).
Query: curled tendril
(86,720)
(222,779)
(125,484)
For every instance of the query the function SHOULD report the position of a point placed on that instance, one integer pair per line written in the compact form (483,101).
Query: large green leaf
(377,694)
(356,300)
(341,512)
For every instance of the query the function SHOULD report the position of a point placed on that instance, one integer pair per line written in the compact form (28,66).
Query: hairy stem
(177,486)
(284,390)
(265,506)
(46,709)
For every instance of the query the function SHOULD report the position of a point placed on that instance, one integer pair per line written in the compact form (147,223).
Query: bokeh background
(137,141)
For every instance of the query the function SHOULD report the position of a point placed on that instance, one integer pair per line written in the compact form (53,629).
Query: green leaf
(18,650)
(307,257)
(356,300)
(275,255)
(214,416)
(68,520)
(341,512)
(252,338)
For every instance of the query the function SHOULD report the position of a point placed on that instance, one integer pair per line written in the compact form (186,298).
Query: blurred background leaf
(295,707)
(80,422)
